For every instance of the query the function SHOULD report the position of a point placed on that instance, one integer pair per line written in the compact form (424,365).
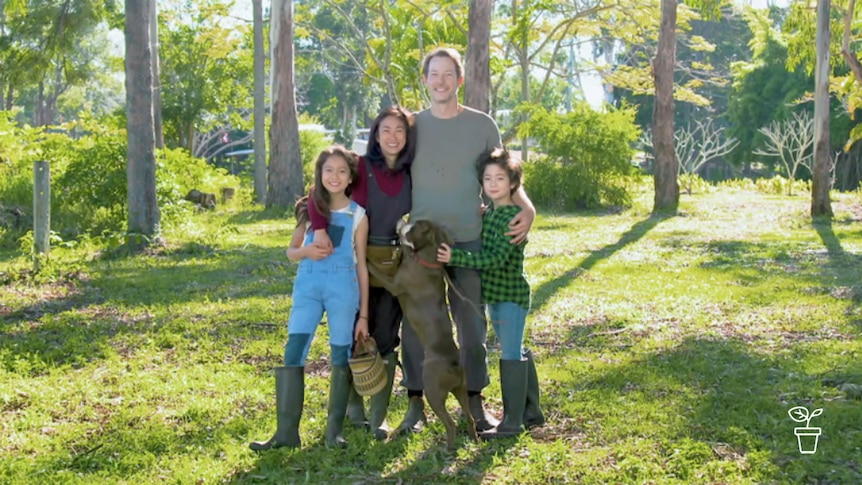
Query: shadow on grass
(252,216)
(709,398)
(85,325)
(544,292)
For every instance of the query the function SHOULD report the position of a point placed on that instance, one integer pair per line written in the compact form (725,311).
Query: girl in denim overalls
(335,283)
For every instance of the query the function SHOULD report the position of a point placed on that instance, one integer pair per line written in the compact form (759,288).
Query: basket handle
(365,346)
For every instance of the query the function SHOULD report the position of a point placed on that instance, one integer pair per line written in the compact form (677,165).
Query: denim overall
(328,285)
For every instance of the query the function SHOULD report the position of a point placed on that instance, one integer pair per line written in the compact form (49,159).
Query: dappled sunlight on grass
(669,350)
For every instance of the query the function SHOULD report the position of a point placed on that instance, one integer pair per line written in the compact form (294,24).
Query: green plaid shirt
(501,263)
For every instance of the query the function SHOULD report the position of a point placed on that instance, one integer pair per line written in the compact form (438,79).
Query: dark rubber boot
(415,419)
(484,421)
(356,408)
(513,383)
(289,396)
(533,416)
(380,401)
(339,390)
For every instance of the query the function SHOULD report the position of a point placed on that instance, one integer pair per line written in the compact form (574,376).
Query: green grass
(669,351)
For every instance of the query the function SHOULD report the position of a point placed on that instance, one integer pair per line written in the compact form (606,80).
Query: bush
(776,185)
(691,183)
(779,185)
(588,154)
(88,172)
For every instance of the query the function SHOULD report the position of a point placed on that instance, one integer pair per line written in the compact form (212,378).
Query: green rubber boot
(356,408)
(513,383)
(289,396)
(415,419)
(533,416)
(380,401)
(339,390)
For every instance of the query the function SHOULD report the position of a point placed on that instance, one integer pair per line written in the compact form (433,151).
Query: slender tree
(666,185)
(285,161)
(478,61)
(157,84)
(820,184)
(141,167)
(259,106)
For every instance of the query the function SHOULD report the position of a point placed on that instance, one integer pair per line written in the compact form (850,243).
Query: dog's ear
(421,234)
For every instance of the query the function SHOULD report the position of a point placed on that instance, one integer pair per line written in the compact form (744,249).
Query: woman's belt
(383,241)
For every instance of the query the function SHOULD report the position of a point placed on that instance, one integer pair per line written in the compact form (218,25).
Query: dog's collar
(426,263)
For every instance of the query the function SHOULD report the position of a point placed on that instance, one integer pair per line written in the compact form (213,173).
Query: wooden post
(41,207)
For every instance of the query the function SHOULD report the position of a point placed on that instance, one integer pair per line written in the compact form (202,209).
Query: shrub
(588,154)
(691,183)
(88,172)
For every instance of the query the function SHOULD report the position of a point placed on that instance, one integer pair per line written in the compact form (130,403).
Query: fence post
(41,208)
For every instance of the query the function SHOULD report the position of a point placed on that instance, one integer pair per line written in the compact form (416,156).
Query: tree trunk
(666,186)
(285,162)
(10,97)
(524,63)
(157,84)
(820,183)
(478,62)
(141,168)
(259,107)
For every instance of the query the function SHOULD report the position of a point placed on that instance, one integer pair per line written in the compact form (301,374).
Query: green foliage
(88,177)
(776,185)
(779,185)
(763,90)
(48,46)
(691,183)
(206,72)
(588,156)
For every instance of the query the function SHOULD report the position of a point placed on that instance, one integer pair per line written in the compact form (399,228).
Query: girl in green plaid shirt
(506,292)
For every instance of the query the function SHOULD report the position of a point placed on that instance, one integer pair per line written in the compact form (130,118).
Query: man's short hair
(448,53)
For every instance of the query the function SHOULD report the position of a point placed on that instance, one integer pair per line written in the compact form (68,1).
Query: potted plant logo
(807,437)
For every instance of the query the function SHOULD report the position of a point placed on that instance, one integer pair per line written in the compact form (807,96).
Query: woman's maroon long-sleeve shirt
(390,183)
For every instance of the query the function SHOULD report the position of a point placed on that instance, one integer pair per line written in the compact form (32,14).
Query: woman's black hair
(374,154)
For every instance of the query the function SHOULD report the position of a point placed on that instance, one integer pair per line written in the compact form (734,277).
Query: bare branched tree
(697,144)
(694,146)
(791,142)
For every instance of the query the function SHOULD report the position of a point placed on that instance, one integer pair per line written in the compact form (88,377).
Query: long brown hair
(374,154)
(321,198)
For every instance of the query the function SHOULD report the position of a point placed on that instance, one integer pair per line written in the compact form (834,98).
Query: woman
(384,189)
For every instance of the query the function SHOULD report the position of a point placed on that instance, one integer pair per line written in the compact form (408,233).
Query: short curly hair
(510,164)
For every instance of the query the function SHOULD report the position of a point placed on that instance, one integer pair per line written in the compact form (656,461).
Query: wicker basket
(369,373)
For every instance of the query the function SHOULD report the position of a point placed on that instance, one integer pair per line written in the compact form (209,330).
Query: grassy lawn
(669,349)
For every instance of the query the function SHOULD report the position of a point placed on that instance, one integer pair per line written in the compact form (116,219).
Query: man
(450,140)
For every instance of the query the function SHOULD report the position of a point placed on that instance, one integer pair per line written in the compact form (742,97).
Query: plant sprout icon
(807,436)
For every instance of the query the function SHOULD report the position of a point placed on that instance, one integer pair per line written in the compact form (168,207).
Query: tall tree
(665,179)
(141,167)
(478,62)
(285,160)
(820,184)
(666,185)
(157,85)
(259,106)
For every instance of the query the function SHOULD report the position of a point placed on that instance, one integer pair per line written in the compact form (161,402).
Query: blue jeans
(509,320)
